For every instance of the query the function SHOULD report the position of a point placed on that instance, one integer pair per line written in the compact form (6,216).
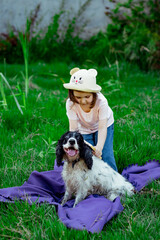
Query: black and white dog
(85,174)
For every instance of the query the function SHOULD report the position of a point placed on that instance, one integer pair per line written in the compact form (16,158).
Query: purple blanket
(90,214)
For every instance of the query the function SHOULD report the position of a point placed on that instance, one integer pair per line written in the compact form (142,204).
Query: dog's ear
(59,150)
(86,154)
(59,153)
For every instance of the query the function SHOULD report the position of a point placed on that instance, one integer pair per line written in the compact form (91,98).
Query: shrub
(133,35)
(135,32)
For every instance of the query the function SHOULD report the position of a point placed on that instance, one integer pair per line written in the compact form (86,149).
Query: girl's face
(83,98)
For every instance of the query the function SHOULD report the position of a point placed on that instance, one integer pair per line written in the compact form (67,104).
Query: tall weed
(3,95)
(25,48)
(4,101)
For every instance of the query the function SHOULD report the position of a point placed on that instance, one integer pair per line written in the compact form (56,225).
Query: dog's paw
(112,196)
(74,205)
(63,202)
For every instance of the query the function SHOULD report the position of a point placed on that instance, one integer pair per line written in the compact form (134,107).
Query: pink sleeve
(103,109)
(71,114)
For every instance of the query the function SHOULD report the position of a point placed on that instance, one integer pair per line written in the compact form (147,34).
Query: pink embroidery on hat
(76,81)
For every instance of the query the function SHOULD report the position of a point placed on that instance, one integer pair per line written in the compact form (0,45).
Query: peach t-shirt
(88,122)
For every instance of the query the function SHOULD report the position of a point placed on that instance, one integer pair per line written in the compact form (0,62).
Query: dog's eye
(79,137)
(65,140)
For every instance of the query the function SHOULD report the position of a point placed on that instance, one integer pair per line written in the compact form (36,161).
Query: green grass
(27,143)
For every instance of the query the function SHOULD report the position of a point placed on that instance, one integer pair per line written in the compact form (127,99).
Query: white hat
(83,80)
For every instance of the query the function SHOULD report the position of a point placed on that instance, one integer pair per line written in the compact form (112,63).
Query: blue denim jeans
(107,152)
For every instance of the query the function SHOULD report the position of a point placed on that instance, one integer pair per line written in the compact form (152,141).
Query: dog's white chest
(74,176)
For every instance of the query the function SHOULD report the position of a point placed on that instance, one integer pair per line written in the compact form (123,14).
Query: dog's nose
(72,141)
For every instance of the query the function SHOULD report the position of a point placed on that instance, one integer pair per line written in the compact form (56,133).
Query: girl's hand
(98,151)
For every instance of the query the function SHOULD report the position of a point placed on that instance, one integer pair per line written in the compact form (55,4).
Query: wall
(90,14)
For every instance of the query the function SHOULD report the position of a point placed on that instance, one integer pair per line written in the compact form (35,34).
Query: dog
(84,174)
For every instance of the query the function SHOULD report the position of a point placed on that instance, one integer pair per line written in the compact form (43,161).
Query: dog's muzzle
(71,147)
(71,152)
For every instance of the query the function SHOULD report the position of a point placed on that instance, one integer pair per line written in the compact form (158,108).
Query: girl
(89,113)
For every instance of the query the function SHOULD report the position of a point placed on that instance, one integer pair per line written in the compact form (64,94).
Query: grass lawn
(27,143)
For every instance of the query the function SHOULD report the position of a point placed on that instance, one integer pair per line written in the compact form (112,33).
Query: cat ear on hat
(92,72)
(74,70)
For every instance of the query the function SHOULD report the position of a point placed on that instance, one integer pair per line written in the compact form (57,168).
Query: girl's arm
(73,125)
(102,134)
